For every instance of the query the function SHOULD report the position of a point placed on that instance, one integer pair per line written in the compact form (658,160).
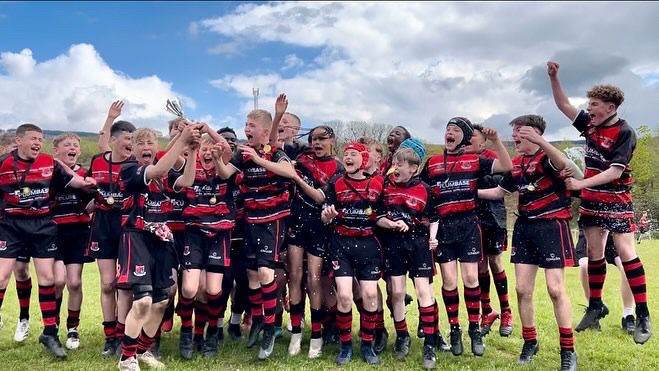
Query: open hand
(529,133)
(115,109)
(281,104)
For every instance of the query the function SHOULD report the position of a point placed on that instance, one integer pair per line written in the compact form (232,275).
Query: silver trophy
(173,106)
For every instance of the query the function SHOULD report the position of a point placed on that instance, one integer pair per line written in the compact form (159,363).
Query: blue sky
(416,64)
(139,39)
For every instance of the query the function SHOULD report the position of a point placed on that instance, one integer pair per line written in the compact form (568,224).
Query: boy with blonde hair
(265,188)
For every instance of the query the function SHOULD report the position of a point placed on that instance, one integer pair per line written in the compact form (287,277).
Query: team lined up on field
(207,217)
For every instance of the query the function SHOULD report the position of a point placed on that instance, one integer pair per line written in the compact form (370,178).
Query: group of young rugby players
(207,219)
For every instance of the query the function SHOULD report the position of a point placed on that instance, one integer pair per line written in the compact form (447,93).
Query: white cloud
(227,49)
(193,29)
(74,90)
(418,64)
(292,61)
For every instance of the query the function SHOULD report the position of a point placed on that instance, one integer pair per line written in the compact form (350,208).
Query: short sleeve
(61,177)
(508,183)
(330,191)
(172,177)
(428,210)
(486,165)
(237,160)
(279,156)
(133,177)
(424,173)
(624,147)
(582,121)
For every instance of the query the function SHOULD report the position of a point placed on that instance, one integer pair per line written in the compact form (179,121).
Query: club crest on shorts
(186,250)
(335,265)
(93,246)
(139,271)
(3,245)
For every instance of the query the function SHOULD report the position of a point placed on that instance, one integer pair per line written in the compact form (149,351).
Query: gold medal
(267,149)
(369,211)
(391,170)
(530,188)
(26,191)
(110,200)
(213,200)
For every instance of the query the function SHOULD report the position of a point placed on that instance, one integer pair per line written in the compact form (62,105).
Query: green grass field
(610,349)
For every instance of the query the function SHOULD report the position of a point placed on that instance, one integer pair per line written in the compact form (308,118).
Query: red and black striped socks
(269,293)
(566,339)
(344,324)
(144,342)
(185,308)
(128,347)
(48,306)
(297,312)
(368,321)
(200,319)
(473,303)
(317,316)
(24,291)
(73,319)
(214,311)
(636,278)
(452,303)
(2,296)
(501,285)
(596,277)
(484,283)
(109,329)
(529,334)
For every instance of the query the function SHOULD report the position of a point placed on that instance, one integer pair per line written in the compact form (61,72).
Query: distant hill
(81,134)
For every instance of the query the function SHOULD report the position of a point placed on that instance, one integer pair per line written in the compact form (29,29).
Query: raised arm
(189,135)
(104,134)
(280,108)
(555,155)
(560,98)
(502,163)
(187,178)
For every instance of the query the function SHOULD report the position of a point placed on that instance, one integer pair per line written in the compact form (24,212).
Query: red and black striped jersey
(266,196)
(108,180)
(453,181)
(355,201)
(607,146)
(408,202)
(542,192)
(26,186)
(145,201)
(316,172)
(210,201)
(69,206)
